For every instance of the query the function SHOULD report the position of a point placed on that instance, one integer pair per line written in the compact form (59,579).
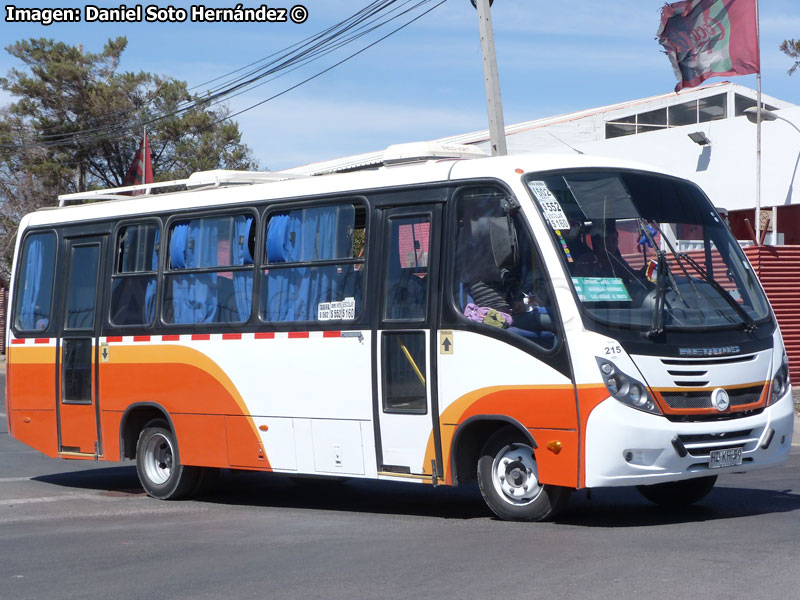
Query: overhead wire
(191,104)
(121,118)
(362,23)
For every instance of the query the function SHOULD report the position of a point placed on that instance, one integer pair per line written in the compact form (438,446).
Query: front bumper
(625,446)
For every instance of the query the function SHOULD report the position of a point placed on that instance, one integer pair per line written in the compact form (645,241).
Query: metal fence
(778,268)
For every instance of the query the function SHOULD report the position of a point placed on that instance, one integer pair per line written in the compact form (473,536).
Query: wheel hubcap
(515,475)
(158,459)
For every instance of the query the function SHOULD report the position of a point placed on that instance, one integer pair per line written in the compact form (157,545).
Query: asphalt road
(85,530)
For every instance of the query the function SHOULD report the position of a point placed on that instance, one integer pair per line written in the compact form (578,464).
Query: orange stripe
(710,389)
(550,407)
(181,379)
(667,410)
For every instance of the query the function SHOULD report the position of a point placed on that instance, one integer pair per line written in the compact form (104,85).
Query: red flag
(141,170)
(710,38)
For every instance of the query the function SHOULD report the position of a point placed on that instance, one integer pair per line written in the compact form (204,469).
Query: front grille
(715,418)
(703,444)
(714,437)
(703,362)
(696,400)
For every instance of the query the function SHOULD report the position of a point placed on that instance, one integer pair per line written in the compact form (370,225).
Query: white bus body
(525,320)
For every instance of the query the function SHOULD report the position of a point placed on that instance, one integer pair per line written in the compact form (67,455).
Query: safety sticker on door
(446,342)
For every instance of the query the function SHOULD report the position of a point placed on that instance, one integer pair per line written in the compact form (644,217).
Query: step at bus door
(404,360)
(77,402)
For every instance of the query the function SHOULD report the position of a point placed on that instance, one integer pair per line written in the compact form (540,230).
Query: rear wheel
(160,472)
(508,478)
(678,493)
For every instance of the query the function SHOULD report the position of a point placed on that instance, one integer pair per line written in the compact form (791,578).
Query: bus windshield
(647,252)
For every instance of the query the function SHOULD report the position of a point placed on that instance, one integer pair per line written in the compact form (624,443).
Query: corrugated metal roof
(778,268)
(665,99)
(372,159)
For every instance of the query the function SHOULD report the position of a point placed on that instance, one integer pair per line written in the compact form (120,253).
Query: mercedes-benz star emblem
(720,399)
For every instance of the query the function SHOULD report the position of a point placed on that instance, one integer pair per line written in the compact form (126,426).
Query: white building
(657,131)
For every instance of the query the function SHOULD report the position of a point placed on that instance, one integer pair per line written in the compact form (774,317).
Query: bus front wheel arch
(508,478)
(470,439)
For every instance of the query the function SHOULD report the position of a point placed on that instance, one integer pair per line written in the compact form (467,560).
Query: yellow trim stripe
(31,356)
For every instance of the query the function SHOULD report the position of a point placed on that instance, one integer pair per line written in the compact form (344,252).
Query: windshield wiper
(749,323)
(662,273)
(657,322)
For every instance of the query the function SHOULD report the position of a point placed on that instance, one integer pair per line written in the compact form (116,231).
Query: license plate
(729,457)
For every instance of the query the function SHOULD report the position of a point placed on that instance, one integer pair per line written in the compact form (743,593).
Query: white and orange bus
(539,323)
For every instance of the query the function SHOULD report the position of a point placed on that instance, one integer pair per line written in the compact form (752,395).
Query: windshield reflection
(647,251)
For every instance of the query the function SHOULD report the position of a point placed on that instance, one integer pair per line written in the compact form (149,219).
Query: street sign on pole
(494,104)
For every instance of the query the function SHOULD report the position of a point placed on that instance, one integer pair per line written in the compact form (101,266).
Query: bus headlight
(625,388)
(780,382)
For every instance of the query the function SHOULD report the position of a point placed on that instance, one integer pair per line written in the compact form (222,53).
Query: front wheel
(160,472)
(678,493)
(508,478)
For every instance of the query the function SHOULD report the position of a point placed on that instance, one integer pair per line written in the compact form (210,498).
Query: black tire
(508,480)
(160,472)
(678,493)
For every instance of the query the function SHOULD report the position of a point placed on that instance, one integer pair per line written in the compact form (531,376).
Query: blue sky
(426,81)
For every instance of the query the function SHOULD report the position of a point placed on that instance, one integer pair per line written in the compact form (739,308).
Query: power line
(298,55)
(204,94)
(338,63)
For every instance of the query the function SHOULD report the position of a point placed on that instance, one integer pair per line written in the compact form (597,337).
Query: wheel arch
(133,421)
(469,439)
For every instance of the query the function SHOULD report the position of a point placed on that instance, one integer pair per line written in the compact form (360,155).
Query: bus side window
(499,278)
(407,269)
(133,284)
(34,293)
(209,277)
(314,264)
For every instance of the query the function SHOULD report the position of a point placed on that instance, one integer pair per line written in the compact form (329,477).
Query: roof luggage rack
(422,151)
(215,178)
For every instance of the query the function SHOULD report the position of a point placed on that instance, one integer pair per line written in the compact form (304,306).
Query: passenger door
(77,401)
(404,360)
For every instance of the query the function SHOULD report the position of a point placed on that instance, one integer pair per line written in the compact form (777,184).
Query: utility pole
(494,104)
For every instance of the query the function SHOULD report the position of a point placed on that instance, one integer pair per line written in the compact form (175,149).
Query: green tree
(792,49)
(77,122)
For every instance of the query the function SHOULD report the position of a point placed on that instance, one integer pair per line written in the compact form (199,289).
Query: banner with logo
(710,38)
